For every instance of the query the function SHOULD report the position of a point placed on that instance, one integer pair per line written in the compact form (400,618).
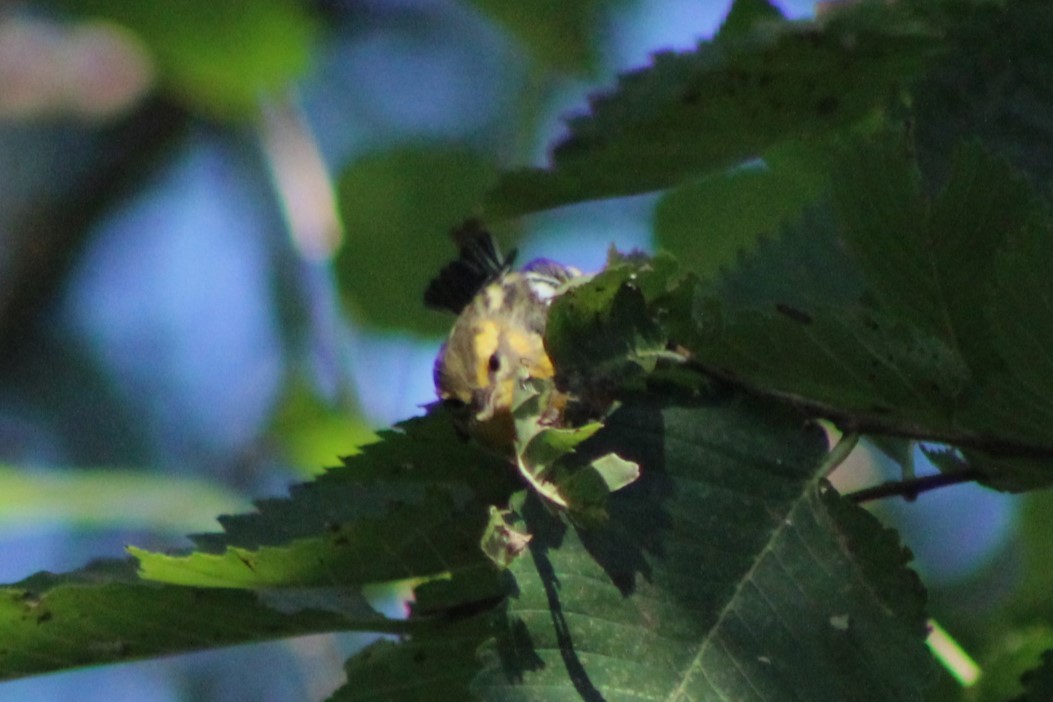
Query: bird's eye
(495,362)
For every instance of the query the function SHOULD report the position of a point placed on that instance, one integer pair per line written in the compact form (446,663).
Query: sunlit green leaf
(103,614)
(1038,682)
(541,450)
(311,433)
(412,505)
(111,499)
(504,539)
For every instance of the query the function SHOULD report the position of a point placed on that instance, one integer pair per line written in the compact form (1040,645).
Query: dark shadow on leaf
(548,533)
(637,518)
(516,651)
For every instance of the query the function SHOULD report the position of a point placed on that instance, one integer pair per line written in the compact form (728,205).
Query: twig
(875,422)
(910,489)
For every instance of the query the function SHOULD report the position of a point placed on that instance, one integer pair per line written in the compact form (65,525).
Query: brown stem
(864,422)
(910,489)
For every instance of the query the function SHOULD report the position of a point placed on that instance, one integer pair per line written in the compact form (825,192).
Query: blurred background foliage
(216,224)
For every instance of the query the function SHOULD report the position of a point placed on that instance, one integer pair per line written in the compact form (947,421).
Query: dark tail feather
(478,264)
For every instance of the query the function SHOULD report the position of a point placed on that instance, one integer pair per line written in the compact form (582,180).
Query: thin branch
(873,422)
(910,489)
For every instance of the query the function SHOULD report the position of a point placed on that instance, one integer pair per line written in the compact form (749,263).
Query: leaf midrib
(680,693)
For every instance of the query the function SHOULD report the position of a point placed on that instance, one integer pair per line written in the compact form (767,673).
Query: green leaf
(615,472)
(111,498)
(220,58)
(311,432)
(560,33)
(805,265)
(724,572)
(434,666)
(1038,683)
(947,372)
(1012,655)
(540,450)
(1001,472)
(745,16)
(708,224)
(398,208)
(847,359)
(726,102)
(1031,602)
(1011,473)
(994,85)
(504,538)
(1012,412)
(1014,405)
(931,263)
(538,454)
(103,614)
(1019,313)
(413,505)
(602,333)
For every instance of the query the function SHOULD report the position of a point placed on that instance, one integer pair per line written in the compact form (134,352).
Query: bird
(497,339)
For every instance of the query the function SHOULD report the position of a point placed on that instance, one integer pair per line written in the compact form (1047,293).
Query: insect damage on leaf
(502,541)
(540,448)
(535,405)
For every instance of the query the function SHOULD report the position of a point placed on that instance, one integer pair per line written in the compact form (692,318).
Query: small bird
(498,338)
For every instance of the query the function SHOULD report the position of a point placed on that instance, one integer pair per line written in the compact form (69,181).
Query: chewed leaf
(550,444)
(538,457)
(588,486)
(615,471)
(540,450)
(503,541)
(605,333)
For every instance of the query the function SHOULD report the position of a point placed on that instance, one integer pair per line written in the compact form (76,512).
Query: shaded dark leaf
(726,102)
(724,571)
